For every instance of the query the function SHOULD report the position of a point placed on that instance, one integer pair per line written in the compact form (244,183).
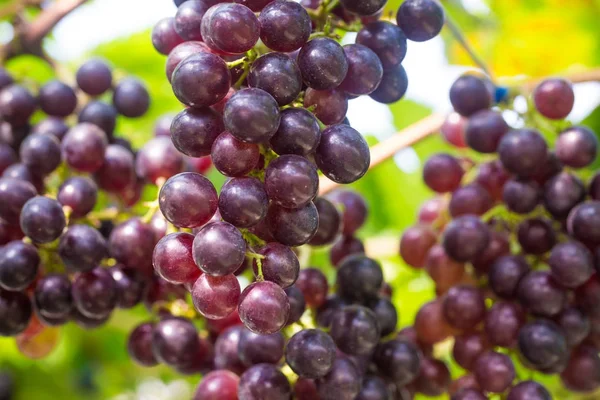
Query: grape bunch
(511,243)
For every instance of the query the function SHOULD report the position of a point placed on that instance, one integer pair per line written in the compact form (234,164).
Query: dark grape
(498,246)
(252,115)
(359,278)
(502,323)
(484,131)
(216,297)
(17,104)
(57,99)
(131,98)
(469,94)
(94,77)
(313,285)
(521,196)
(82,248)
(84,146)
(15,312)
(297,303)
(386,40)
(434,377)
(468,394)
(293,227)
(584,222)
(232,157)
(465,238)
(284,26)
(494,372)
(79,194)
(505,275)
(310,353)
(323,64)
(582,373)
(362,7)
(561,193)
(528,390)
(277,74)
(256,349)
(95,293)
(571,263)
(131,244)
(131,285)
(100,114)
(464,307)
(575,324)
(492,176)
(542,344)
(230,28)
(420,20)
(194,130)
(522,152)
(201,79)
(19,263)
(470,199)
(175,341)
(373,388)
(344,247)
(13,196)
(536,236)
(355,330)
(291,181)
(218,385)
(343,154)
(330,222)
(444,271)
(442,173)
(365,70)
(88,322)
(21,172)
(164,36)
(353,208)
(577,147)
(188,19)
(219,249)
(180,52)
(539,293)
(52,296)
(554,98)
(386,314)
(53,126)
(264,381)
(430,323)
(172,258)
(342,382)
(392,87)
(298,133)
(8,156)
(264,307)
(5,78)
(117,173)
(226,348)
(42,219)
(330,106)
(468,347)
(243,202)
(398,360)
(415,243)
(188,200)
(279,265)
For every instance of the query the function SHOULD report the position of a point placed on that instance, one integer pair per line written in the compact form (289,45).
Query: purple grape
(330,106)
(84,321)
(131,285)
(180,52)
(442,173)
(175,341)
(284,26)
(5,78)
(95,293)
(571,263)
(84,146)
(41,153)
(293,227)
(562,193)
(392,87)
(219,249)
(232,157)
(528,390)
(310,353)
(583,222)
(230,28)
(577,147)
(21,172)
(469,94)
(554,98)
(42,219)
(540,294)
(420,20)
(465,238)
(355,330)
(254,5)
(536,236)
(522,152)
(521,196)
(257,349)
(278,75)
(386,40)
(19,264)
(494,372)
(398,360)
(323,64)
(118,170)
(291,181)
(52,296)
(16,105)
(484,131)
(470,199)
(468,347)
(57,99)
(575,324)
(551,167)
(299,133)
(100,114)
(386,314)
(373,388)
(252,115)
(330,222)
(434,377)
(359,278)
(279,265)
(131,243)
(131,98)
(13,196)
(188,200)
(172,258)
(162,126)
(297,304)
(353,208)
(79,194)
(365,70)
(188,19)
(243,202)
(343,154)
(94,77)
(82,248)
(226,350)
(201,79)
(505,275)
(264,381)
(158,159)
(464,307)
(8,157)
(139,345)
(363,7)
(218,385)
(264,307)
(582,372)
(542,344)
(216,297)
(343,381)
(15,312)
(502,323)
(51,126)
(164,36)
(194,130)
(13,135)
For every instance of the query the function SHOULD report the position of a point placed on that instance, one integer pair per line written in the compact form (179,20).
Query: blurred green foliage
(518,37)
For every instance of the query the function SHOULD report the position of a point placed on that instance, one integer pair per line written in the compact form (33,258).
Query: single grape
(188,200)
(117,173)
(542,344)
(505,275)
(230,28)
(216,297)
(582,373)
(469,94)
(373,388)
(100,114)
(386,40)
(540,294)
(494,372)
(465,237)
(365,70)
(562,193)
(571,263)
(131,244)
(587,297)
(398,360)
(554,98)
(131,285)
(5,78)
(17,104)
(95,293)
(42,219)
(297,303)
(470,199)
(164,36)
(291,181)
(284,26)
(41,153)
(298,133)
(188,19)
(15,312)
(444,271)
(277,74)
(252,115)
(583,222)
(442,173)
(293,227)
(94,77)
(52,296)
(498,246)
(464,307)
(264,307)
(279,265)
(392,87)
(323,64)
(434,377)
(484,131)
(521,196)
(264,381)
(182,51)
(468,394)
(528,390)
(313,285)
(386,314)
(19,263)
(139,345)
(8,157)
(131,98)
(330,106)
(536,236)
(175,341)
(343,154)
(172,258)
(194,130)
(14,194)
(310,353)
(232,157)
(420,20)
(344,247)
(226,347)
(522,151)
(23,173)
(453,130)
(84,147)
(243,202)
(359,278)
(577,147)
(87,322)
(201,79)
(415,243)
(330,222)
(82,248)
(430,323)
(492,176)
(502,323)
(57,99)
(79,194)
(355,330)
(218,385)
(342,382)
(219,249)
(575,324)
(468,347)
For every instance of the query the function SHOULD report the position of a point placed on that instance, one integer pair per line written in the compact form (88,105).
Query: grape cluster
(511,242)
